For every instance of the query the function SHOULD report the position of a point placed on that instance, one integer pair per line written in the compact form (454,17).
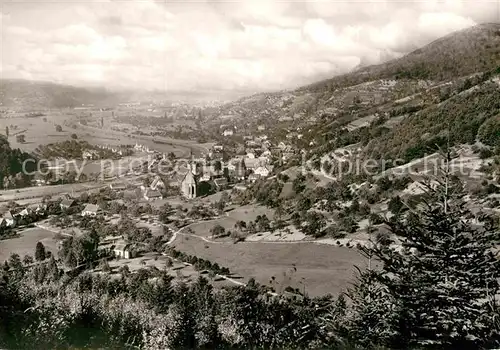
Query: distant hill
(41,95)
(37,94)
(460,53)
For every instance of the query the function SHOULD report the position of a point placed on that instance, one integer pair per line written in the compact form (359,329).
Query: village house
(151,195)
(25,212)
(218,148)
(90,210)
(86,155)
(67,203)
(263,171)
(231,167)
(123,250)
(228,132)
(205,177)
(8,219)
(253,177)
(266,153)
(118,186)
(39,179)
(252,143)
(251,163)
(37,208)
(261,127)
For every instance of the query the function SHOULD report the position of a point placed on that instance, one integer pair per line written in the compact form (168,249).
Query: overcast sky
(247,44)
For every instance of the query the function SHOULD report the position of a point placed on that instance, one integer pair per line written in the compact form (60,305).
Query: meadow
(320,269)
(26,243)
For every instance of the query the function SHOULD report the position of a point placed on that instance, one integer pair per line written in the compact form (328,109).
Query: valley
(311,215)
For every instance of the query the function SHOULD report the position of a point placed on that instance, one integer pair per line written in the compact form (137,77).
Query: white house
(253,177)
(152,195)
(9,219)
(118,186)
(88,155)
(25,212)
(228,132)
(205,177)
(263,171)
(90,210)
(122,250)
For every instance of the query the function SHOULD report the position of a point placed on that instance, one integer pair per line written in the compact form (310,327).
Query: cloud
(251,44)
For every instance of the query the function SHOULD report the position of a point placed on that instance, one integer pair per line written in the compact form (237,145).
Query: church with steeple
(189,182)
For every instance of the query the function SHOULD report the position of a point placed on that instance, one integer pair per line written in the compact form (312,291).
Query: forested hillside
(400,109)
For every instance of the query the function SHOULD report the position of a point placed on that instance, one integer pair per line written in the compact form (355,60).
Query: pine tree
(368,322)
(444,278)
(40,252)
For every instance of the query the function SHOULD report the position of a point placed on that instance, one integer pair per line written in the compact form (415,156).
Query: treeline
(74,149)
(198,263)
(11,166)
(420,134)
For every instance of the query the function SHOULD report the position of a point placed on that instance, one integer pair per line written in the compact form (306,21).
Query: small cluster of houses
(91,154)
(10,218)
(114,149)
(143,148)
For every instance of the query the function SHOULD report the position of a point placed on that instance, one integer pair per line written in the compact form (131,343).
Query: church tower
(188,183)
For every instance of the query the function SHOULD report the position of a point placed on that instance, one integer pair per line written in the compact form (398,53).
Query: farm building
(123,250)
(150,195)
(67,203)
(90,210)
(118,186)
(263,171)
(228,132)
(8,220)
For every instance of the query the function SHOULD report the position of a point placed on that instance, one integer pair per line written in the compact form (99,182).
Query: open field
(39,132)
(181,148)
(250,212)
(202,229)
(322,269)
(26,243)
